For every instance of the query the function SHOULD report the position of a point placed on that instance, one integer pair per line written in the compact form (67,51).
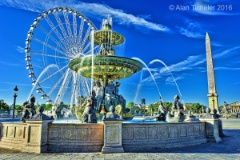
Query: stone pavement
(228,149)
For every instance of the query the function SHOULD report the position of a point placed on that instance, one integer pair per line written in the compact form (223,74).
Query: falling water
(92,49)
(157,60)
(138,88)
(149,72)
(44,71)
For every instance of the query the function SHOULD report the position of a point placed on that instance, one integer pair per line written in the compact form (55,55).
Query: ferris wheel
(55,38)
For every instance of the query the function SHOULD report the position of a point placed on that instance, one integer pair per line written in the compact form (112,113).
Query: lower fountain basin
(47,136)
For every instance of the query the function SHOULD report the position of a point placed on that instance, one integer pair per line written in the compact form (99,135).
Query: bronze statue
(29,109)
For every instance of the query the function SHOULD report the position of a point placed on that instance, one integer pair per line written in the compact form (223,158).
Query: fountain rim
(106,60)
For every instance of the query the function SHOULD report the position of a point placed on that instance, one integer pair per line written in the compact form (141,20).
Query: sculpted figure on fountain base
(161,111)
(29,109)
(177,111)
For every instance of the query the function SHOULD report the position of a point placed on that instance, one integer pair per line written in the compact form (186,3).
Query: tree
(18,108)
(64,105)
(150,110)
(130,105)
(3,105)
(48,107)
(194,107)
(167,105)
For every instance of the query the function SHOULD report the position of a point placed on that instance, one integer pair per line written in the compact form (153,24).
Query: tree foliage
(130,105)
(47,107)
(154,107)
(167,105)
(195,107)
(3,105)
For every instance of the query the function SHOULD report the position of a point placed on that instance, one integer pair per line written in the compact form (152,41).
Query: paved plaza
(228,149)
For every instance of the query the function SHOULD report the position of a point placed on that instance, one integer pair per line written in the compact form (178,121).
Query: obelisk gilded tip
(207,36)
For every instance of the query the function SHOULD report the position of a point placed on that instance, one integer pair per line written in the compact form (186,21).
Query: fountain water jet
(158,60)
(138,59)
(138,88)
(92,50)
(41,74)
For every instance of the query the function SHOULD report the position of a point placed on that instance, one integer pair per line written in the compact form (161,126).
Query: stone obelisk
(212,94)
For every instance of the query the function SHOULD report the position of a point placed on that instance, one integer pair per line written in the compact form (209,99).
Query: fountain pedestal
(212,129)
(112,136)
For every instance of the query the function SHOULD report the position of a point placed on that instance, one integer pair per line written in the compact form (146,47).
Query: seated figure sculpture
(28,109)
(41,115)
(111,115)
(89,114)
(120,99)
(110,95)
(177,109)
(98,91)
(161,111)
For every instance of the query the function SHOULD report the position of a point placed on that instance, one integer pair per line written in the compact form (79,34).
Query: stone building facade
(235,107)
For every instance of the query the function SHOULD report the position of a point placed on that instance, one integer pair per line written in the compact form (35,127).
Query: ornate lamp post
(14,100)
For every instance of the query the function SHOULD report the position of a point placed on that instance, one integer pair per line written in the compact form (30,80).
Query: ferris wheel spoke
(74,29)
(53,74)
(68,26)
(86,47)
(63,87)
(48,34)
(55,86)
(49,46)
(49,55)
(89,52)
(80,32)
(85,38)
(50,23)
(82,87)
(61,27)
(87,87)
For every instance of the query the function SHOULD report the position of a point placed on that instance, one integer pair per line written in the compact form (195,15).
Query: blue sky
(156,31)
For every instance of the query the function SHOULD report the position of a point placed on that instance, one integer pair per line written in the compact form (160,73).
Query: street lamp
(14,100)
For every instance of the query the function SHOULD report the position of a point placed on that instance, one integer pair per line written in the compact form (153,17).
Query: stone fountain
(106,67)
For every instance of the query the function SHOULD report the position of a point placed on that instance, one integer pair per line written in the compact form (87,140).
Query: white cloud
(189,63)
(191,29)
(5,63)
(93,10)
(226,68)
(169,80)
(228,52)
(167,72)
(217,44)
(189,33)
(20,49)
